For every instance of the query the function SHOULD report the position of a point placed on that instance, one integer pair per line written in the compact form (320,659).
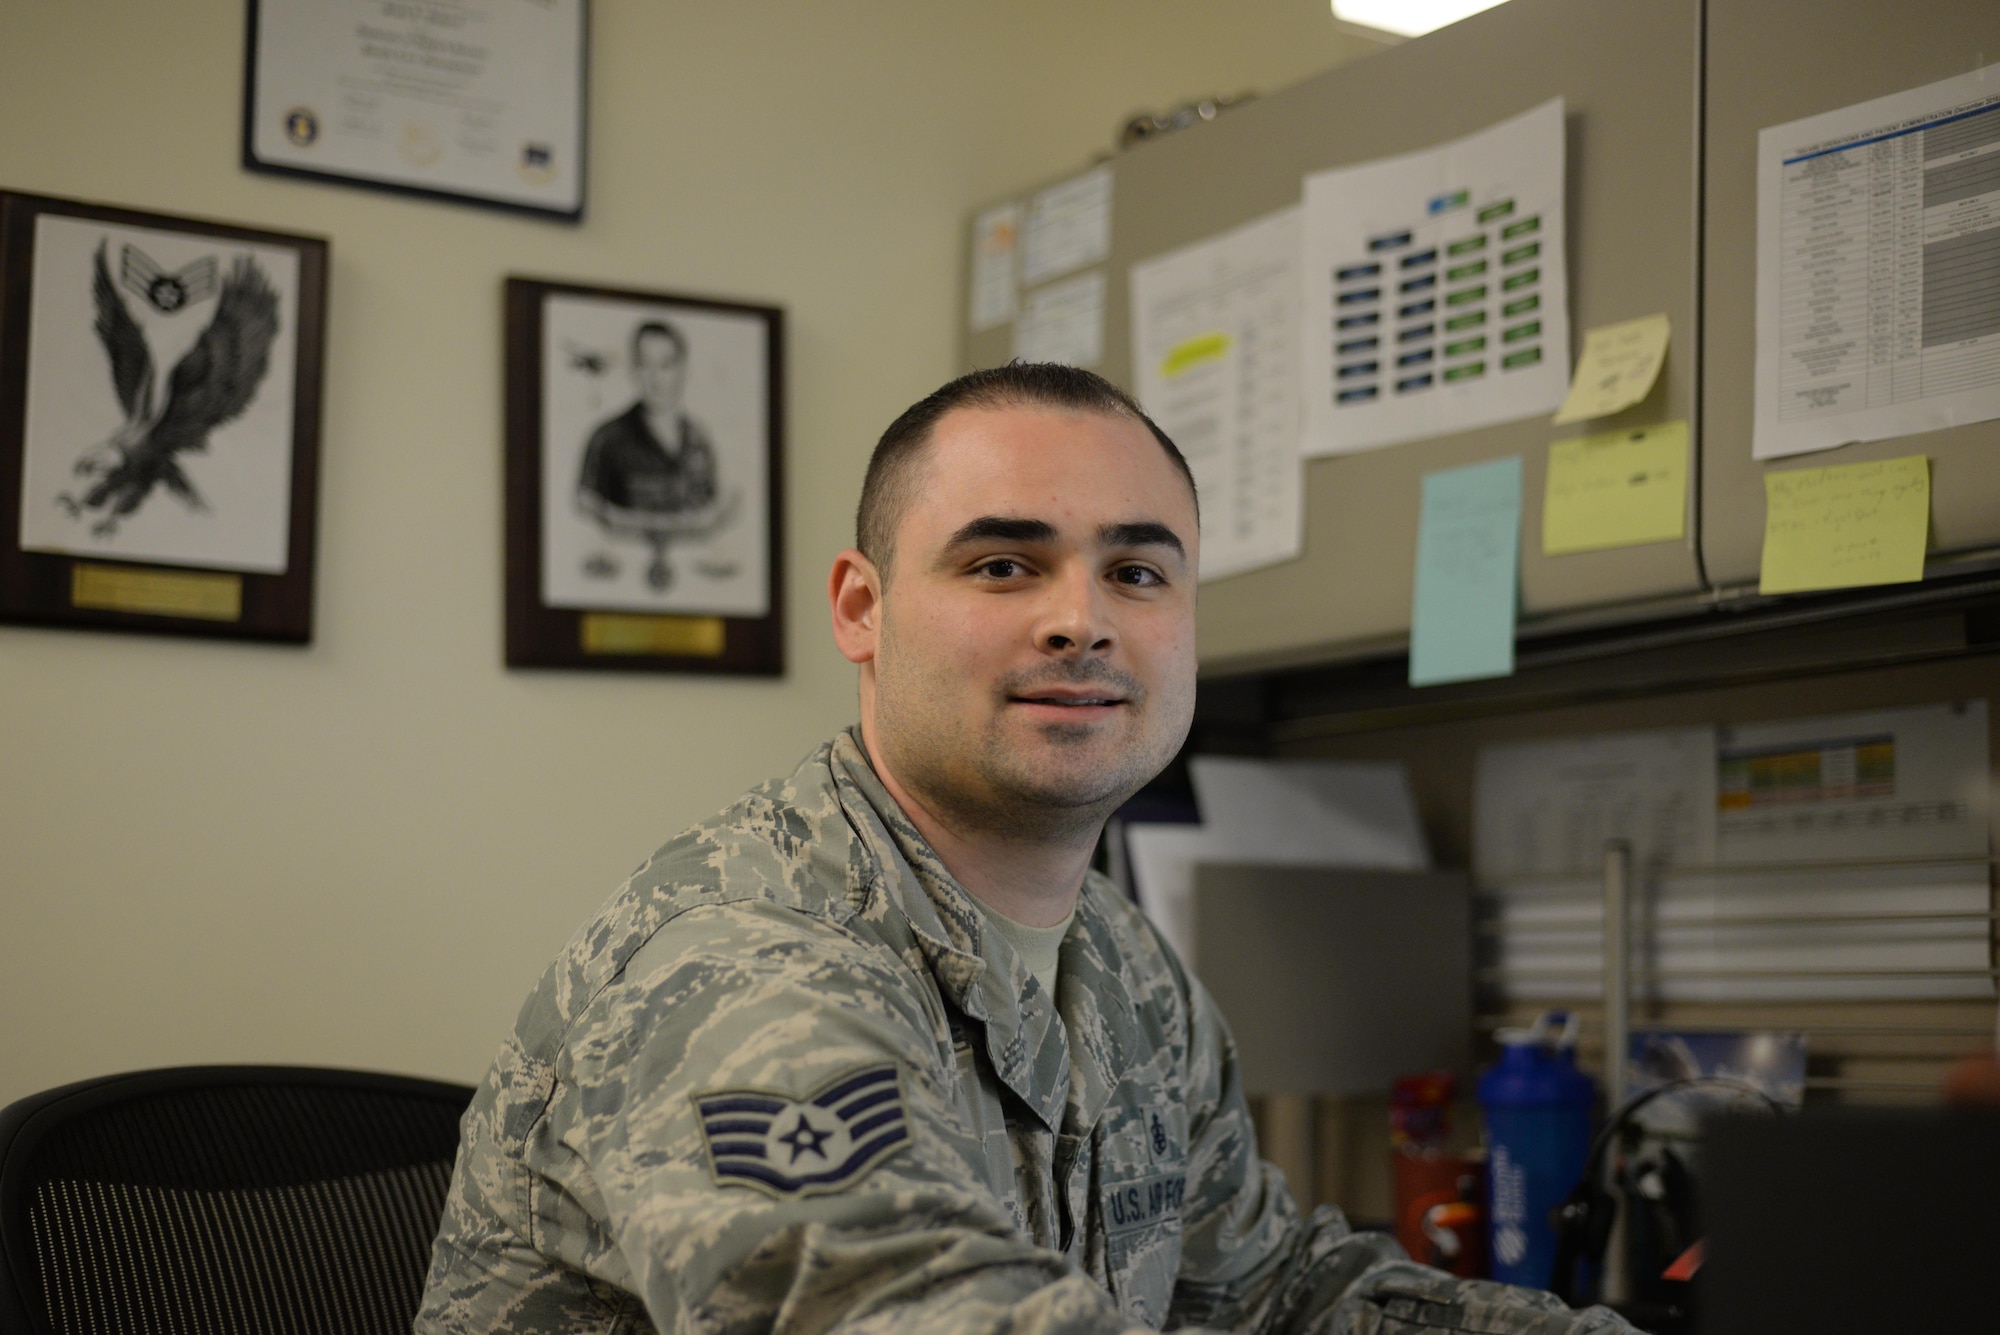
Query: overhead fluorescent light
(1408,18)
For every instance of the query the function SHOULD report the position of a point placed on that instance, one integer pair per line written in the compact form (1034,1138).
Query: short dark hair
(887,490)
(661,329)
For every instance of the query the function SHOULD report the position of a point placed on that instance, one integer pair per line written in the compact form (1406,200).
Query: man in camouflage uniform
(808,1071)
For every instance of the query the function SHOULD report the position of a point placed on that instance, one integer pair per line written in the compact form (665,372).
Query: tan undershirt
(1040,948)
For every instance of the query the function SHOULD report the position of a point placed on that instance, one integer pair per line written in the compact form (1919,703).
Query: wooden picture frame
(160,381)
(485,102)
(644,481)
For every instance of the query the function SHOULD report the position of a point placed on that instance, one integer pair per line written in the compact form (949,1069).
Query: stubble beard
(1045,783)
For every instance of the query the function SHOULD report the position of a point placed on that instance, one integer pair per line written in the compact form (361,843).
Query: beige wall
(363,852)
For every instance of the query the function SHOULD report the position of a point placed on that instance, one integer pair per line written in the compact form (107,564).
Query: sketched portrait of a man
(649,473)
(655,463)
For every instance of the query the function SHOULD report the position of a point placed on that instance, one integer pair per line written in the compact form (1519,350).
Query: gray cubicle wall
(1770,63)
(1338,980)
(1630,74)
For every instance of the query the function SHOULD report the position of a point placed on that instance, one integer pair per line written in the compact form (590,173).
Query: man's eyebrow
(990,528)
(1144,533)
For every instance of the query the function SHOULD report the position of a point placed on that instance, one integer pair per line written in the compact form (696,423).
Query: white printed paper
(1546,809)
(1063,322)
(996,236)
(1215,352)
(1312,813)
(1888,784)
(1436,290)
(1069,226)
(1325,813)
(1878,268)
(1163,862)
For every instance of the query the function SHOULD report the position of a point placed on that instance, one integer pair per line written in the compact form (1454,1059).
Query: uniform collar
(1095,988)
(975,966)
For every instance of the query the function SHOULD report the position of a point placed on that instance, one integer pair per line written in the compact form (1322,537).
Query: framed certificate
(644,481)
(159,421)
(480,101)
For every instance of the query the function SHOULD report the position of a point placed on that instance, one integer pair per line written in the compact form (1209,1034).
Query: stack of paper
(1319,813)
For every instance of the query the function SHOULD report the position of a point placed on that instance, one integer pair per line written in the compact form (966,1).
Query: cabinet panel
(1630,77)
(1769,64)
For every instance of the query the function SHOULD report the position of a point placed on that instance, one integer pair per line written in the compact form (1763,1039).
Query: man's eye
(1000,568)
(1139,577)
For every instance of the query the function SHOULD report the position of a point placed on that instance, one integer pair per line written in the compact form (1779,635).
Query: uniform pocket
(1141,1218)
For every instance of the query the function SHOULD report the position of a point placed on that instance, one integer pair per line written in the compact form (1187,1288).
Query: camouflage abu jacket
(785,1081)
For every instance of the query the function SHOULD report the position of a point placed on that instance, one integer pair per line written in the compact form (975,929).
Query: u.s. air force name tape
(804,1147)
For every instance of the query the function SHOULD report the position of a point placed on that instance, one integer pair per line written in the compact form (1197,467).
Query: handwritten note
(1616,489)
(1842,527)
(1619,364)
(1468,573)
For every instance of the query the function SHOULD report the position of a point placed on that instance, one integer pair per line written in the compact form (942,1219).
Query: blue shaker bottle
(1537,1107)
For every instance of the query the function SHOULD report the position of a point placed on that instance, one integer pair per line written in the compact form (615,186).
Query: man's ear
(854,590)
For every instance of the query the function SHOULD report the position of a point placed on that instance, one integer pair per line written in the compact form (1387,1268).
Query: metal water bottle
(1538,1108)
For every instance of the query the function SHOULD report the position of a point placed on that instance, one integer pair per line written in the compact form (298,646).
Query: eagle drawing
(212,383)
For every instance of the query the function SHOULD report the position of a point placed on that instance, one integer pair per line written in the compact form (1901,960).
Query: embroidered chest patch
(804,1147)
(1131,1205)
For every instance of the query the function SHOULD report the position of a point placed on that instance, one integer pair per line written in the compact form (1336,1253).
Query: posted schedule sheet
(1878,268)
(1215,355)
(1436,298)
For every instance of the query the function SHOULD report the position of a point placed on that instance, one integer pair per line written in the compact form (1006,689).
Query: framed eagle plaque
(159,421)
(644,481)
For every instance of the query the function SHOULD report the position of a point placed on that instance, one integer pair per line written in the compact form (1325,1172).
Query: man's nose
(1075,616)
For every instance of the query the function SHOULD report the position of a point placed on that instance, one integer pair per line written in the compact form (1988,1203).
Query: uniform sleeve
(675,1130)
(1250,1263)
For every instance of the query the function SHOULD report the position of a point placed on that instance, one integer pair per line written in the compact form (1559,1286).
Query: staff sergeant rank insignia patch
(793,1147)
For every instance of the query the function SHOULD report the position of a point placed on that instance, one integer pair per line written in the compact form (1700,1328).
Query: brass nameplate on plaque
(636,633)
(164,593)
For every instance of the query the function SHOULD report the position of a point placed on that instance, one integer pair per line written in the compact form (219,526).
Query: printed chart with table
(1437,291)
(1878,275)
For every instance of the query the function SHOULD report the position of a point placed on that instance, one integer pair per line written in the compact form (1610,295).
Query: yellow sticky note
(1619,364)
(1616,489)
(1841,527)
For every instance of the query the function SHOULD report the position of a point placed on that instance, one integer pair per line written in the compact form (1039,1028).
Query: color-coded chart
(1436,292)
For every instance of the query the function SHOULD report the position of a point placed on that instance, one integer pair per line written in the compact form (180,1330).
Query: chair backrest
(215,1200)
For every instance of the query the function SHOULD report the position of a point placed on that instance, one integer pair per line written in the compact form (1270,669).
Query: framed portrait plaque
(644,480)
(481,101)
(159,421)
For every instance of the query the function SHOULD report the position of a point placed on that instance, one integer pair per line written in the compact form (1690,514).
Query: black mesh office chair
(214,1200)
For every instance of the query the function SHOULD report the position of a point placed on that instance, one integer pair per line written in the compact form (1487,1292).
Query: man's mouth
(1066,700)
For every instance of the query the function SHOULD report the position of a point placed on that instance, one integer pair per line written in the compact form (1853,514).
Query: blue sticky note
(1468,572)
